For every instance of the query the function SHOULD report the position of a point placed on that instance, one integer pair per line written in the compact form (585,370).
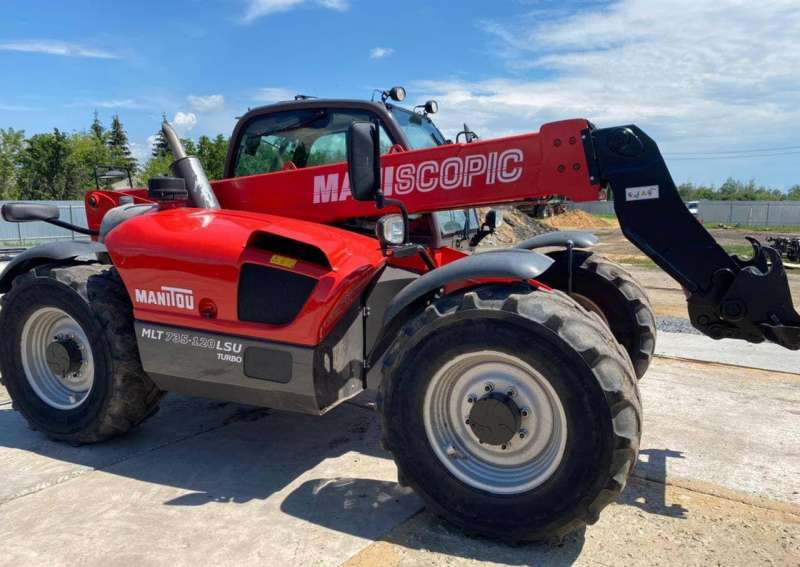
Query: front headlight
(391,229)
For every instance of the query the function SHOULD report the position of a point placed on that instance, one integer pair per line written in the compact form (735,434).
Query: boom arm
(728,296)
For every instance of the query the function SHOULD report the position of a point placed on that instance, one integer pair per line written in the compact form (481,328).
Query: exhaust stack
(191,170)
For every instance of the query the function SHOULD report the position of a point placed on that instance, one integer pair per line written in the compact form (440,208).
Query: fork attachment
(728,296)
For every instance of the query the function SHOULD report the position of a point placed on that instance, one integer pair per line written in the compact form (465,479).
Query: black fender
(64,251)
(578,238)
(520,265)
(515,264)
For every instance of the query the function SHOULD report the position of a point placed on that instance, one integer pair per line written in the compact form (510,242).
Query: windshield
(418,128)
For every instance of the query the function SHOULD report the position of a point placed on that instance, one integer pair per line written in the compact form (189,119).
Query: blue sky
(717,84)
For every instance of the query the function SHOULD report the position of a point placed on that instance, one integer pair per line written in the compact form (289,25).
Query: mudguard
(514,263)
(578,238)
(72,250)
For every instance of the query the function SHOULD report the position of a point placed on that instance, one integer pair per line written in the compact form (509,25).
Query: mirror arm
(72,227)
(381,202)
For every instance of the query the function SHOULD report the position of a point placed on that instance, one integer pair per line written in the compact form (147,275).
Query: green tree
(119,146)
(46,171)
(794,193)
(155,166)
(97,129)
(11,146)
(212,154)
(86,153)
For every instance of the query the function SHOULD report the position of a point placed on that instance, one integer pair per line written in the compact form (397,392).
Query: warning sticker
(641,193)
(282,261)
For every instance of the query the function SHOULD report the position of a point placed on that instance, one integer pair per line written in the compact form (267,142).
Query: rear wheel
(69,358)
(513,413)
(606,288)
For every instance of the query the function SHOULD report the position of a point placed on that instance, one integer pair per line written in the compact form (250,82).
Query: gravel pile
(670,324)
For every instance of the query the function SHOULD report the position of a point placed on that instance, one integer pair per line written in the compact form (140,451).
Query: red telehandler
(507,379)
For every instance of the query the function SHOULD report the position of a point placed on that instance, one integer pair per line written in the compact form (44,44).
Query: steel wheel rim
(524,463)
(589,305)
(41,329)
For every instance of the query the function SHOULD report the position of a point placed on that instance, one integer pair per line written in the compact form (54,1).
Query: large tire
(91,300)
(583,367)
(608,289)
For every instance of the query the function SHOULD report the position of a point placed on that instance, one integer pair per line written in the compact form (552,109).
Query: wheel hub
(64,356)
(57,358)
(495,419)
(495,422)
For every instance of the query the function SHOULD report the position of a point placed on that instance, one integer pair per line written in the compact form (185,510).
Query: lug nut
(523,433)
(489,387)
(504,446)
(525,412)
(471,398)
(511,393)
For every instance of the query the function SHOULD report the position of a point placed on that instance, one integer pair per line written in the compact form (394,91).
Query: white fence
(742,213)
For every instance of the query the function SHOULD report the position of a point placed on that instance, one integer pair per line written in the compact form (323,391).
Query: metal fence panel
(743,213)
(751,213)
(29,233)
(597,207)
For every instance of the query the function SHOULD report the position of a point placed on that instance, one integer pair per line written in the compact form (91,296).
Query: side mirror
(494,219)
(29,212)
(364,160)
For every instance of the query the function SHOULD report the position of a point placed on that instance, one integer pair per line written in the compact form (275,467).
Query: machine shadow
(651,496)
(315,499)
(237,454)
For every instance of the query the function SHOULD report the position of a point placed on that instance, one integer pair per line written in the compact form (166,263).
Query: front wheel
(69,358)
(513,413)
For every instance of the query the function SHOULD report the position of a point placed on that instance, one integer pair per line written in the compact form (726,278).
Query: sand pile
(517,226)
(577,218)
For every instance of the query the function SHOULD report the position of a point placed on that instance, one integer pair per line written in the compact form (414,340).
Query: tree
(118,144)
(155,166)
(212,154)
(11,145)
(46,171)
(97,129)
(86,153)
(794,193)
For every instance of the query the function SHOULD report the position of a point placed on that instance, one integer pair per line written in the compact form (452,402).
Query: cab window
(451,222)
(304,137)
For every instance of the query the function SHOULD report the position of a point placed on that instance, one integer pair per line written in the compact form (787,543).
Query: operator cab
(307,132)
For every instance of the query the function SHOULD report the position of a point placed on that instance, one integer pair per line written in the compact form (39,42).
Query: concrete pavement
(211,483)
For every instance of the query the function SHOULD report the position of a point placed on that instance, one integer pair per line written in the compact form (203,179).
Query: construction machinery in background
(323,265)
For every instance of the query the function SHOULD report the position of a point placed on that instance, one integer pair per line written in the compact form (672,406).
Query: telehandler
(319,267)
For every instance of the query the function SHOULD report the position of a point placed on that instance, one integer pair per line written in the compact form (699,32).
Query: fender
(514,264)
(72,250)
(578,239)
(511,263)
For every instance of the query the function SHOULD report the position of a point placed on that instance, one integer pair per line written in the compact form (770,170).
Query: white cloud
(140,152)
(184,122)
(127,103)
(51,47)
(16,108)
(257,8)
(274,94)
(210,103)
(692,73)
(380,52)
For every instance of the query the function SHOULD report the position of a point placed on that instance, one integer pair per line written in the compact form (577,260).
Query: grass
(745,251)
(756,228)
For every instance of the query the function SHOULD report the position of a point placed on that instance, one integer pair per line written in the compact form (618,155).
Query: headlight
(391,229)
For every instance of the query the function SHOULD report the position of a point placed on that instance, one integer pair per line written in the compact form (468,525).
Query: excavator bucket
(728,297)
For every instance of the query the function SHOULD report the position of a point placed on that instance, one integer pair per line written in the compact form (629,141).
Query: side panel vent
(288,247)
(272,295)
